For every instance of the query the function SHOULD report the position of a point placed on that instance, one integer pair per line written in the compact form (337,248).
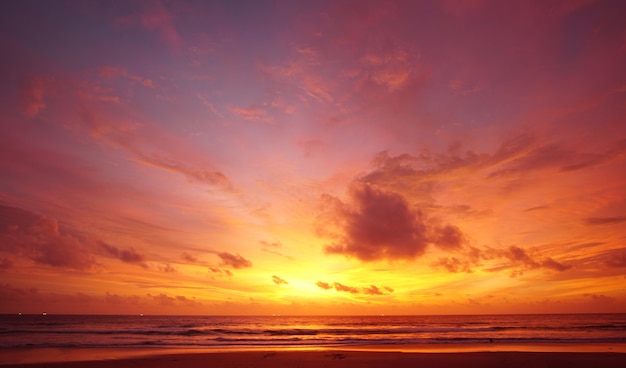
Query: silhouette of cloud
(369,290)
(448,237)
(279,281)
(378,224)
(234,260)
(128,255)
(42,240)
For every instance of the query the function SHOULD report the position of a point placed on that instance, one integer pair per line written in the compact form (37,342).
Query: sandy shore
(344,358)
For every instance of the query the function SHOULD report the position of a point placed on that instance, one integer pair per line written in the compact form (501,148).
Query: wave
(105,331)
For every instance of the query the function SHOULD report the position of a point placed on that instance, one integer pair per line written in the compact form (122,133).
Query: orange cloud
(233,260)
(279,281)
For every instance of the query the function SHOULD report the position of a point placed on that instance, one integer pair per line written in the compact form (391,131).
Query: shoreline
(109,356)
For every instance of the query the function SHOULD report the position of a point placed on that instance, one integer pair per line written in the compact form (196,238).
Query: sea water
(305,331)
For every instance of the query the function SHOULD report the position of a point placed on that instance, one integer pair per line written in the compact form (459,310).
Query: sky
(312,157)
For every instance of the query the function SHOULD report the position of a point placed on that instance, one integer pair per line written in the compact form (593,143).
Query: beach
(364,357)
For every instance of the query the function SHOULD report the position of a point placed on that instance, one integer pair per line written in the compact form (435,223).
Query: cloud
(170,301)
(110,72)
(448,237)
(279,281)
(189,258)
(516,260)
(324,285)
(600,298)
(616,258)
(42,240)
(521,260)
(378,224)
(5,263)
(167,268)
(194,175)
(369,290)
(372,290)
(128,255)
(271,248)
(32,97)
(155,17)
(119,299)
(594,221)
(589,160)
(234,260)
(219,270)
(453,264)
(348,289)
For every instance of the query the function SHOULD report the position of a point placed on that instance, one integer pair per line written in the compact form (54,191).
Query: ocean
(304,331)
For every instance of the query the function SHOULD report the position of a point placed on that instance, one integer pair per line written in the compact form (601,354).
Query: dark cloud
(233,260)
(378,225)
(342,287)
(128,255)
(42,240)
(324,285)
(593,221)
(279,281)
(616,258)
(448,237)
(369,290)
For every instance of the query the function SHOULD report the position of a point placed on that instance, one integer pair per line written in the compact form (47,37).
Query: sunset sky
(312,157)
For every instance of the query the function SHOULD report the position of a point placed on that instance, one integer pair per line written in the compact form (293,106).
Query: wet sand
(569,356)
